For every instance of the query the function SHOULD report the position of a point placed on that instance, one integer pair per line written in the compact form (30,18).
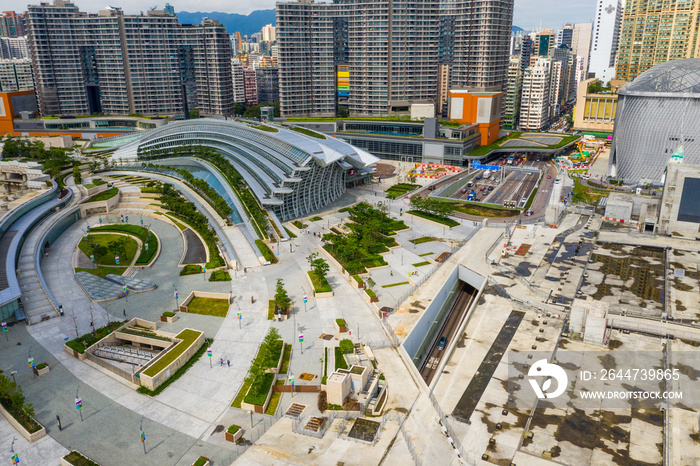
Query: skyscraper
(535,100)
(581,47)
(267,81)
(392,54)
(482,44)
(604,46)
(238,81)
(543,44)
(655,33)
(11,24)
(512,96)
(119,64)
(565,35)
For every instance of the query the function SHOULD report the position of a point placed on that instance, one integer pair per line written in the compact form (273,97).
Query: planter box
(203,294)
(206,463)
(74,353)
(65,462)
(368,298)
(327,294)
(341,329)
(169,320)
(20,428)
(39,372)
(234,437)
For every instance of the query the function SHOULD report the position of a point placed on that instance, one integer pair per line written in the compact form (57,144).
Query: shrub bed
(266,252)
(191,269)
(83,342)
(320,285)
(76,459)
(220,276)
(339,359)
(104,195)
(435,218)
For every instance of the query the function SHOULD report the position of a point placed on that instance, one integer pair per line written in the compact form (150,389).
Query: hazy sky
(551,13)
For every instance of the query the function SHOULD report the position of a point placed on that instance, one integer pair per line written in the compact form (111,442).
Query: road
(464,299)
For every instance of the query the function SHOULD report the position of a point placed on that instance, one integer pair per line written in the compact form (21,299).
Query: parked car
(442,343)
(529,212)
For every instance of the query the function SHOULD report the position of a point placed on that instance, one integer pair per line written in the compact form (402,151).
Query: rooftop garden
(254,210)
(104,195)
(400,189)
(208,306)
(485,150)
(141,233)
(83,342)
(368,234)
(105,247)
(188,338)
(406,119)
(308,132)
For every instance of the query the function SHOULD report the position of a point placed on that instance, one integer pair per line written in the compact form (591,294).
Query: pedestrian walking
(222,362)
(391,272)
(124,312)
(228,361)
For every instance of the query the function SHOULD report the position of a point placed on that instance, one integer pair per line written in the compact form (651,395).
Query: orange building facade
(482,108)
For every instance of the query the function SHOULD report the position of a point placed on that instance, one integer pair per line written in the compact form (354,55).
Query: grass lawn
(266,252)
(480,210)
(426,254)
(591,197)
(151,189)
(208,306)
(76,459)
(140,232)
(421,264)
(299,225)
(339,360)
(104,195)
(89,186)
(259,399)
(315,219)
(423,239)
(241,394)
(103,271)
(285,359)
(291,235)
(308,132)
(184,368)
(130,247)
(395,284)
(177,222)
(443,220)
(400,189)
(188,338)
(220,276)
(320,286)
(271,309)
(274,401)
(191,269)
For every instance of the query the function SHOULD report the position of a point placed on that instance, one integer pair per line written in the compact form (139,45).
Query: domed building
(657,119)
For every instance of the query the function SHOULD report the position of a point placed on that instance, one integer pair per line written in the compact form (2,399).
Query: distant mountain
(245,24)
(516,29)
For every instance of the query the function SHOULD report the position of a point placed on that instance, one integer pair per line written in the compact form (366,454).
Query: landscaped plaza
(186,335)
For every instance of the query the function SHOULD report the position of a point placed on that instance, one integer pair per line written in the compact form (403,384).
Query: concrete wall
(415,338)
(25,433)
(154,382)
(90,208)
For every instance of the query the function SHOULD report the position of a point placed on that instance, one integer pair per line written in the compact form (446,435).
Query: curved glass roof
(675,76)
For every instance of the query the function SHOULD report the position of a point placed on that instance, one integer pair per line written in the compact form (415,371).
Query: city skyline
(527,13)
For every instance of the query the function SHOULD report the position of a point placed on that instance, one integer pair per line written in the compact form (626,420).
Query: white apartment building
(535,103)
(238,81)
(14,47)
(16,75)
(581,47)
(605,40)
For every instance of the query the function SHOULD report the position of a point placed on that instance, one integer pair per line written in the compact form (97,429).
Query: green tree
(270,342)
(346,346)
(282,299)
(76,174)
(256,376)
(370,282)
